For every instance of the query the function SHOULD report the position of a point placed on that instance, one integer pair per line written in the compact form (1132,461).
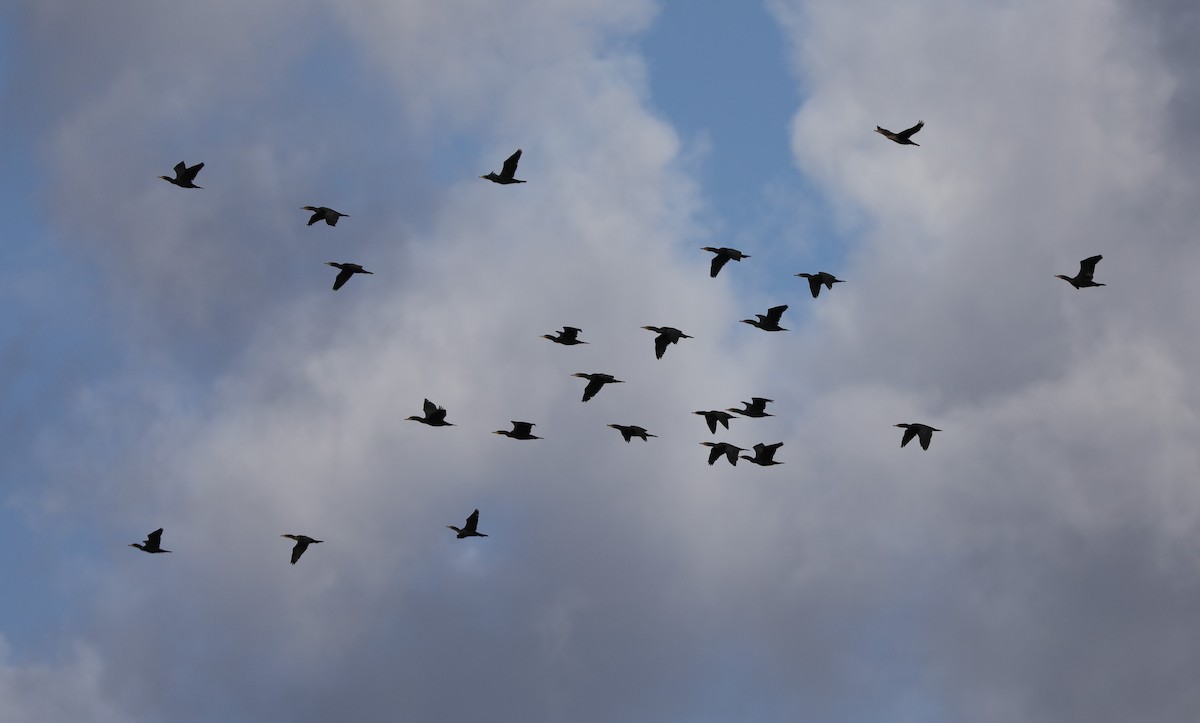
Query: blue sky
(176,358)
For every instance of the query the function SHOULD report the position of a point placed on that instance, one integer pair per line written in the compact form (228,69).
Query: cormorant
(764,454)
(713,416)
(520,430)
(302,543)
(323,213)
(347,270)
(1087,267)
(435,416)
(816,280)
(595,382)
(756,407)
(922,432)
(631,431)
(903,137)
(666,335)
(184,176)
(723,255)
(770,322)
(568,336)
(153,542)
(507,172)
(469,529)
(722,448)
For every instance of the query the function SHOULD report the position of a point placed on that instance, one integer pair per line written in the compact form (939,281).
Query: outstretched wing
(1087,267)
(814,285)
(342,277)
(510,166)
(569,333)
(473,519)
(592,387)
(298,550)
(909,433)
(154,539)
(775,313)
(905,134)
(660,345)
(718,261)
(522,428)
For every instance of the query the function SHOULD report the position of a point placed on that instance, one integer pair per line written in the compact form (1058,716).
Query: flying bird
(723,256)
(722,448)
(903,137)
(153,542)
(667,335)
(184,176)
(756,407)
(520,430)
(595,382)
(507,172)
(769,322)
(347,270)
(1087,267)
(568,336)
(302,543)
(713,417)
(815,281)
(631,431)
(323,213)
(922,432)
(764,454)
(435,416)
(468,530)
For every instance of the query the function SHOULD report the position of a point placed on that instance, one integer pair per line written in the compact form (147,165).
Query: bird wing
(190,173)
(660,345)
(331,217)
(592,387)
(909,433)
(731,454)
(522,428)
(714,453)
(473,519)
(180,170)
(717,263)
(569,333)
(925,435)
(298,550)
(510,166)
(315,217)
(430,408)
(814,285)
(712,423)
(775,313)
(1087,267)
(342,277)
(910,131)
(154,539)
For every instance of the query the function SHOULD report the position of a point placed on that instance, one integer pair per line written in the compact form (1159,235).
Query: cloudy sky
(176,358)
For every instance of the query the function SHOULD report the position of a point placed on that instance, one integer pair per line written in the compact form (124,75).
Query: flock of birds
(764,454)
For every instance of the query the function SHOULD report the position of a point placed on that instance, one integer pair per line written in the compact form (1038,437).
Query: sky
(176,358)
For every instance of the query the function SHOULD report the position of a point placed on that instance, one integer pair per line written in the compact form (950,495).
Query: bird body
(468,529)
(1087,267)
(922,432)
(153,542)
(568,336)
(520,430)
(302,543)
(769,321)
(716,449)
(667,335)
(347,270)
(723,256)
(764,454)
(904,137)
(815,281)
(715,416)
(756,407)
(507,173)
(596,382)
(435,416)
(632,430)
(323,213)
(184,177)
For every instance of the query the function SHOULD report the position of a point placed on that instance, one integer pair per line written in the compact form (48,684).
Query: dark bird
(770,322)
(722,448)
(323,213)
(756,407)
(347,270)
(520,430)
(184,176)
(903,137)
(507,172)
(764,454)
(595,382)
(923,432)
(667,335)
(631,431)
(713,417)
(568,336)
(723,256)
(816,280)
(153,542)
(302,543)
(435,416)
(1087,267)
(469,529)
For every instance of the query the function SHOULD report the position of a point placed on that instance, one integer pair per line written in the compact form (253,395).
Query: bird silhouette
(764,454)
(922,432)
(769,321)
(713,416)
(1087,267)
(631,431)
(568,336)
(323,213)
(520,430)
(153,542)
(816,280)
(347,270)
(507,173)
(723,256)
(468,530)
(667,335)
(302,543)
(596,381)
(184,176)
(756,407)
(904,136)
(435,416)
(716,449)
